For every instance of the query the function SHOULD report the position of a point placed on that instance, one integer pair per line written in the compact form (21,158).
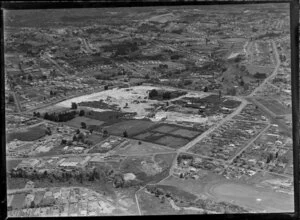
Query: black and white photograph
(150,110)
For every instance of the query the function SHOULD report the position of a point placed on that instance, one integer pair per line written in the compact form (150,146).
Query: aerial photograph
(157,110)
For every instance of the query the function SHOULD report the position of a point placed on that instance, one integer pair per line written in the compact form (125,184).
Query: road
(58,67)
(261,86)
(17,102)
(249,144)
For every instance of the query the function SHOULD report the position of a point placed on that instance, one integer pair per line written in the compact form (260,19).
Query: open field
(274,106)
(30,134)
(132,127)
(163,139)
(257,199)
(169,135)
(12,163)
(184,195)
(171,141)
(108,117)
(17,202)
(76,122)
(16,183)
(195,187)
(151,205)
(134,148)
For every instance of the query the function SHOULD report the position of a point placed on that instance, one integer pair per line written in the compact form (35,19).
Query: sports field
(258,199)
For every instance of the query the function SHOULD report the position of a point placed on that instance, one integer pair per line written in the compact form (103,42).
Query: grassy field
(16,183)
(95,138)
(161,139)
(17,202)
(183,195)
(12,164)
(171,141)
(134,148)
(76,122)
(31,134)
(131,126)
(257,199)
(195,187)
(109,117)
(151,205)
(185,133)
(274,106)
(172,136)
(165,129)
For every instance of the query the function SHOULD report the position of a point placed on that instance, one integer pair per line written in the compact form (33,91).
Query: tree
(106,87)
(105,133)
(83,125)
(118,181)
(166,95)
(11,98)
(73,105)
(205,89)
(269,158)
(30,78)
(242,83)
(153,93)
(81,113)
(48,131)
(46,116)
(147,76)
(188,82)
(125,134)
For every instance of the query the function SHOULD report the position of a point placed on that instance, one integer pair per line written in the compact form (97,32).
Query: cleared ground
(134,98)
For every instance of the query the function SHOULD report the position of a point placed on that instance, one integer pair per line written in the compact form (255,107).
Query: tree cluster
(73,105)
(60,117)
